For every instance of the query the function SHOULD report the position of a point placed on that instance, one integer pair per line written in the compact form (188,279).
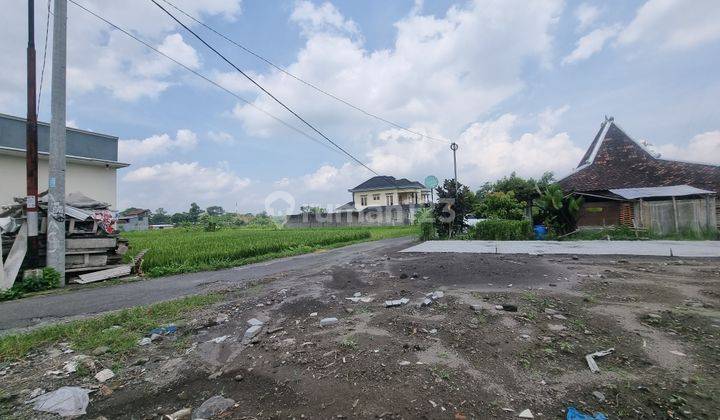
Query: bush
(500,205)
(49,279)
(502,230)
(427,231)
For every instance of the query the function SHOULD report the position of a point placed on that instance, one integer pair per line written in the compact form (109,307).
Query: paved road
(51,308)
(652,248)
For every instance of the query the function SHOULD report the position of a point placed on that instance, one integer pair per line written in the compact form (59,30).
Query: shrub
(503,230)
(500,205)
(48,279)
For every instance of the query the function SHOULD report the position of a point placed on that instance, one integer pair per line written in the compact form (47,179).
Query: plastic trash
(540,232)
(66,401)
(574,414)
(170,329)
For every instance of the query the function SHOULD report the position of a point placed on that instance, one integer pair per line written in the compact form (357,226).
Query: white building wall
(94,180)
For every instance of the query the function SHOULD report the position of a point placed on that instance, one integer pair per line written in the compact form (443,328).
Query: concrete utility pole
(31,145)
(56,180)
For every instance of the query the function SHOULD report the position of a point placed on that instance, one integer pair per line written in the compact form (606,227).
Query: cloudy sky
(520,85)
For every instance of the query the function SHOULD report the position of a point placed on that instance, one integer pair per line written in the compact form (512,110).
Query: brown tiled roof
(620,162)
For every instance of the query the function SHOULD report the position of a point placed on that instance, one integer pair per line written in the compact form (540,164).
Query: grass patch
(119,330)
(181,250)
(624,233)
(349,343)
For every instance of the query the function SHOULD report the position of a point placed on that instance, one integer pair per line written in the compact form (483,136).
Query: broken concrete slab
(251,332)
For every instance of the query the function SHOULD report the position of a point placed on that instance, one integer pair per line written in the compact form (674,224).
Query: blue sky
(521,86)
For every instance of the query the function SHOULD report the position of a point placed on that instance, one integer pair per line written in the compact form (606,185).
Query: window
(140,218)
(389,199)
(363,200)
(376,197)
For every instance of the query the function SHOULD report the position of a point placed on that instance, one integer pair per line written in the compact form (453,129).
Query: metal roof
(669,191)
(79,143)
(383,182)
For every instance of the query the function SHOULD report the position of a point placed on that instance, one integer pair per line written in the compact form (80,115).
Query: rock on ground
(212,407)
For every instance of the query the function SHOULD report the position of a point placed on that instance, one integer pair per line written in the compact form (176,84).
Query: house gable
(615,160)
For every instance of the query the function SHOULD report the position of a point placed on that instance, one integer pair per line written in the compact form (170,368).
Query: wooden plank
(15,258)
(91,243)
(93,268)
(110,273)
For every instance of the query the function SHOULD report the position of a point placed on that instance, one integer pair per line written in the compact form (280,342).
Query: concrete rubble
(104,375)
(394,303)
(590,358)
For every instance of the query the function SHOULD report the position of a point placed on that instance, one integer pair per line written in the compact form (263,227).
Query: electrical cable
(312,127)
(45,48)
(299,79)
(207,79)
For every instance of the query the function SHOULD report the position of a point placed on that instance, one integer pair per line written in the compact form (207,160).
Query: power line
(262,88)
(202,76)
(311,85)
(45,48)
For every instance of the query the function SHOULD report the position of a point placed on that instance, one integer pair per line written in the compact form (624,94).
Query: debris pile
(92,240)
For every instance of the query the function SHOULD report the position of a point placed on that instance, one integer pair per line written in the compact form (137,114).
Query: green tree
(179,218)
(525,190)
(194,213)
(159,217)
(500,205)
(215,211)
(558,211)
(455,202)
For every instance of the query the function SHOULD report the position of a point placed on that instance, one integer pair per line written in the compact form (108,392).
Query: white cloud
(100,57)
(157,145)
(326,17)
(703,147)
(441,73)
(674,24)
(591,43)
(173,185)
(487,151)
(586,14)
(221,137)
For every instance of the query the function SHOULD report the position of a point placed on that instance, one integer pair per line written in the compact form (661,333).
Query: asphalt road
(46,309)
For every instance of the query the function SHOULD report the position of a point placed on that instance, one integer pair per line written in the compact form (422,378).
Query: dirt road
(458,357)
(93,300)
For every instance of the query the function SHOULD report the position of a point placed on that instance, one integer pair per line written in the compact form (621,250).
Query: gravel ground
(459,357)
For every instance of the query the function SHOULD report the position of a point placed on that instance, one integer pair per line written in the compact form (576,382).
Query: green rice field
(183,250)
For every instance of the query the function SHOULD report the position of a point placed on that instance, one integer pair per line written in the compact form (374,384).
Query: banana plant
(559,211)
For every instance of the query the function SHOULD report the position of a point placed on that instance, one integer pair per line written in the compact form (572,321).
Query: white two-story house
(387,191)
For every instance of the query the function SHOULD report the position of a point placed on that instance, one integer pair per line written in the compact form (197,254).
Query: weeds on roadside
(119,330)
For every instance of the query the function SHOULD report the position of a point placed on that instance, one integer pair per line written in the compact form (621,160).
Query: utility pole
(454,147)
(56,180)
(31,146)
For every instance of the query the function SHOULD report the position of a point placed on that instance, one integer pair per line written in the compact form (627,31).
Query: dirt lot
(460,357)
